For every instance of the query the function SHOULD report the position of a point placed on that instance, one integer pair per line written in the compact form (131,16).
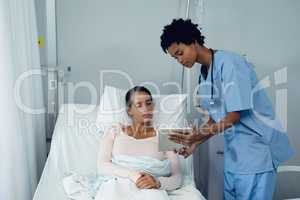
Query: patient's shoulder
(126,129)
(114,130)
(119,129)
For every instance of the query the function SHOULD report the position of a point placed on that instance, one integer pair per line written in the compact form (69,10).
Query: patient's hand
(147,181)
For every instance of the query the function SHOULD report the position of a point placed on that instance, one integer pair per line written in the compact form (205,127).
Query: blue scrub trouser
(258,186)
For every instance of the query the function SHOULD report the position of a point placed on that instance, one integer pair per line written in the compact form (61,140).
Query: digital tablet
(164,144)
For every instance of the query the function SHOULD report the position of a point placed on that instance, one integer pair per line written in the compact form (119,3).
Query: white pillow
(169,110)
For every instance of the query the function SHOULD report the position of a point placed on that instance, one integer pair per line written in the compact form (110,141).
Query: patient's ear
(129,112)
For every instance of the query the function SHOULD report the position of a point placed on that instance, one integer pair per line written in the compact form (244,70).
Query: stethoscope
(211,100)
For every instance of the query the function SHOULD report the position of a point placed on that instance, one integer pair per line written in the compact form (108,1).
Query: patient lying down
(130,155)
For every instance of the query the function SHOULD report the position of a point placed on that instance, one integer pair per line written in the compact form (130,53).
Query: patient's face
(141,109)
(184,54)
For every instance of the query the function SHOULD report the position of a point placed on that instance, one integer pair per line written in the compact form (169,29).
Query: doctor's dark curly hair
(180,31)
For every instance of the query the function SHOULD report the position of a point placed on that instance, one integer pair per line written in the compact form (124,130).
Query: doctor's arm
(208,130)
(213,128)
(199,136)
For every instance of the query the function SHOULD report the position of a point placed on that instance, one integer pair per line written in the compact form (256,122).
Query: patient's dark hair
(130,93)
(180,31)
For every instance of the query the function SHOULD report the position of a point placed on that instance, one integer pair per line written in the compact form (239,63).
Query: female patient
(130,155)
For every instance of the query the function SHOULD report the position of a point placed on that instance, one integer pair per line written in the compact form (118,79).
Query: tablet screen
(164,144)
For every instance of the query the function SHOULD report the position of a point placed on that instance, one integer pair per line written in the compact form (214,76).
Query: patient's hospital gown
(117,143)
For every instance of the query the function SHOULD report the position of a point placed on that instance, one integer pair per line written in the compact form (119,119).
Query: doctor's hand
(186,139)
(186,151)
(147,181)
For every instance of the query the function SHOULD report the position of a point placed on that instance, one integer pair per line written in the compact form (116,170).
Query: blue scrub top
(252,145)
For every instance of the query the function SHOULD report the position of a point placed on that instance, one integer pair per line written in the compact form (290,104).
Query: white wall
(116,35)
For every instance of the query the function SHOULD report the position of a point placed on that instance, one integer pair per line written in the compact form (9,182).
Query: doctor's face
(184,54)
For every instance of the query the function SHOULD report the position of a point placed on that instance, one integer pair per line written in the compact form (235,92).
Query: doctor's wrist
(207,131)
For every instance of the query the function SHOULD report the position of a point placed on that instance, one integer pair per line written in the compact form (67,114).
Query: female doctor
(238,108)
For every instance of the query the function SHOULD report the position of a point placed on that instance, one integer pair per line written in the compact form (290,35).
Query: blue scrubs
(258,186)
(253,146)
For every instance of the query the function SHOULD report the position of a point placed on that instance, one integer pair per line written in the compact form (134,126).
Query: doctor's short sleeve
(236,85)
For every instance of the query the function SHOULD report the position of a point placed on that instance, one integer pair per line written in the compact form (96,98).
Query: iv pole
(187,14)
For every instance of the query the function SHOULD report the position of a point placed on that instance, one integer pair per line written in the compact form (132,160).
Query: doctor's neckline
(205,68)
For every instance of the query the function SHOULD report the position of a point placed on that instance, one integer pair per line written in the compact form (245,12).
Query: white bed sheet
(74,148)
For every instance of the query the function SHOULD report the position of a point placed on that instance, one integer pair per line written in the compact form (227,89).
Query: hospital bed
(74,148)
